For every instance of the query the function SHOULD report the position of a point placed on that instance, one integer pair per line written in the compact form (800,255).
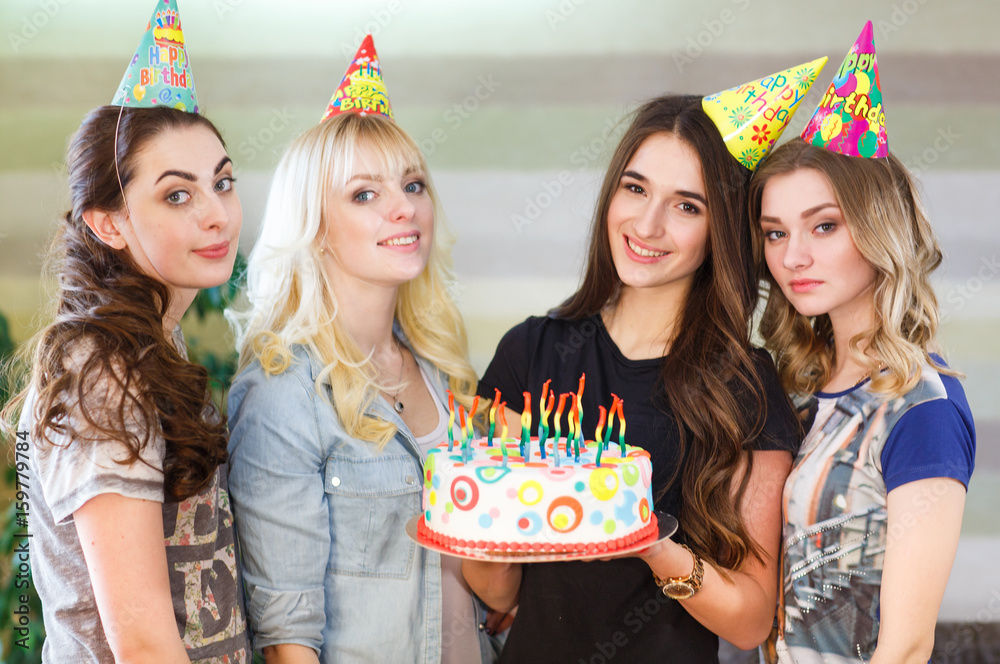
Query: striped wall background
(516,105)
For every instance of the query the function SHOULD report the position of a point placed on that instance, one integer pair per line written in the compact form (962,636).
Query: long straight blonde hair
(887,222)
(292,300)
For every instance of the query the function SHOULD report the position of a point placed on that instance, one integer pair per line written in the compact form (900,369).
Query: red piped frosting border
(650,532)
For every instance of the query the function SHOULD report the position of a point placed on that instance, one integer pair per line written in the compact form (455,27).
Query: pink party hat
(850,119)
(159,73)
(362,90)
(752,116)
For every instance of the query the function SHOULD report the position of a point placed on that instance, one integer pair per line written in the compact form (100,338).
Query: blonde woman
(345,354)
(874,502)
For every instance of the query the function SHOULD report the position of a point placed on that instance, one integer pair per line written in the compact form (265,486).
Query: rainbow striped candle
(451,419)
(597,434)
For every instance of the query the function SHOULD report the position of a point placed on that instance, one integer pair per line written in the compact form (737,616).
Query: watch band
(683,587)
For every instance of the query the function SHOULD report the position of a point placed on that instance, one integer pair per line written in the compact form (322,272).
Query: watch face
(678,590)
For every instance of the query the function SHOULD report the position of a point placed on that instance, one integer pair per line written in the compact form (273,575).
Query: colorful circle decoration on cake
(604,483)
(630,474)
(529,523)
(530,493)
(644,510)
(850,118)
(464,493)
(564,514)
(597,498)
(491,475)
(429,469)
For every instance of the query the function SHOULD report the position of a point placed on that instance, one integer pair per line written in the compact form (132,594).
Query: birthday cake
(522,497)
(473,503)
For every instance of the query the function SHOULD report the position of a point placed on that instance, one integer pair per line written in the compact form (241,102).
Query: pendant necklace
(397,405)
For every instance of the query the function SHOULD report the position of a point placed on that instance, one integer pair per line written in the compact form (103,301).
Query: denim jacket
(321,520)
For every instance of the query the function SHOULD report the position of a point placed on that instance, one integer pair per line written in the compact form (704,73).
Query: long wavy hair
(710,379)
(104,368)
(884,215)
(292,300)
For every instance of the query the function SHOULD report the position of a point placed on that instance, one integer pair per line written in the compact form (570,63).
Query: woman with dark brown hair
(662,320)
(122,452)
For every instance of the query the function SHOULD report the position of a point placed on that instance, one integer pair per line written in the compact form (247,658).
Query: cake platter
(667,526)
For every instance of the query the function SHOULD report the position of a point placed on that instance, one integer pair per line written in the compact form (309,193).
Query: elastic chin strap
(128,213)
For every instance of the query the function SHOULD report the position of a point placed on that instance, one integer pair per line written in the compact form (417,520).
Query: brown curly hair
(104,368)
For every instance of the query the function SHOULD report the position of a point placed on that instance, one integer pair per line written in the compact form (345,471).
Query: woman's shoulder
(531,325)
(550,328)
(299,370)
(935,385)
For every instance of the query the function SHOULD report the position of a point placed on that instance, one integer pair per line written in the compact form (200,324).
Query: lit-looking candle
(621,426)
(493,415)
(467,450)
(571,432)
(610,422)
(472,413)
(451,419)
(461,427)
(579,413)
(543,433)
(621,430)
(503,432)
(558,427)
(598,433)
(526,427)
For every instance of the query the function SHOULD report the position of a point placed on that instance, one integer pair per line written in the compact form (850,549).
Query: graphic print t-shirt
(860,446)
(198,535)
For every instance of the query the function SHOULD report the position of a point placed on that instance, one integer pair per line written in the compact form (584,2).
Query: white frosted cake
(473,502)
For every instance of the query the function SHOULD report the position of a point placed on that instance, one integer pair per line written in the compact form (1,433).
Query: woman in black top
(662,320)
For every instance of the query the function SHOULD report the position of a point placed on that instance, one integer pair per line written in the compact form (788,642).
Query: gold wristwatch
(683,587)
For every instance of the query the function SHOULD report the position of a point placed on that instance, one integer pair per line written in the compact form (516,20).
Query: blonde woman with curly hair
(347,349)
(874,502)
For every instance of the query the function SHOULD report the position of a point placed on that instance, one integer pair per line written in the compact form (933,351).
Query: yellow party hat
(752,116)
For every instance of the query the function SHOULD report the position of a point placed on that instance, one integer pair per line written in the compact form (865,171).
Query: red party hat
(362,90)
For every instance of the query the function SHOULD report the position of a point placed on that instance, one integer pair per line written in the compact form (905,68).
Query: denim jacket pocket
(370,500)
